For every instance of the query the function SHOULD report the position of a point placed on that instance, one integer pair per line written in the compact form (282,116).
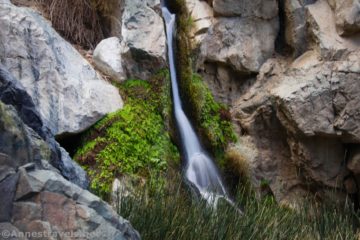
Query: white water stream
(200,169)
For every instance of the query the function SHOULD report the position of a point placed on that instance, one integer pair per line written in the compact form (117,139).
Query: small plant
(132,141)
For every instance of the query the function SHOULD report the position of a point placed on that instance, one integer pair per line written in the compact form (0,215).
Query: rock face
(243,44)
(35,198)
(234,39)
(13,93)
(141,48)
(347,16)
(321,20)
(68,93)
(295,25)
(248,8)
(303,120)
(297,108)
(202,16)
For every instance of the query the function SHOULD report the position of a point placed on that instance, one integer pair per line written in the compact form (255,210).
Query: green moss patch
(212,120)
(133,141)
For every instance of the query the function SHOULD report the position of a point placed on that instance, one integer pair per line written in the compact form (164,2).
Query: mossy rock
(211,119)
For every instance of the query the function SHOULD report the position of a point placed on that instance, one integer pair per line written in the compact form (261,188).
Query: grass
(80,21)
(133,141)
(173,216)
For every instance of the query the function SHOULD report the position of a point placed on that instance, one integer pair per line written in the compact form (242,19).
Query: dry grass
(239,157)
(79,21)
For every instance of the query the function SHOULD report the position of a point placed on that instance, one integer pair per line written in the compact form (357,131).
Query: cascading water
(199,170)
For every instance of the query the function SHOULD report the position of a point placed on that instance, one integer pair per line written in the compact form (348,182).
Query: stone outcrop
(13,93)
(297,107)
(347,16)
(69,95)
(202,16)
(144,36)
(322,30)
(234,40)
(243,44)
(303,120)
(36,199)
(141,48)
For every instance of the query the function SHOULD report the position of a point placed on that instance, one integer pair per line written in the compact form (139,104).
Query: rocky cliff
(289,69)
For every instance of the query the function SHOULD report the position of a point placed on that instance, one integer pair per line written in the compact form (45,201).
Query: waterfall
(199,168)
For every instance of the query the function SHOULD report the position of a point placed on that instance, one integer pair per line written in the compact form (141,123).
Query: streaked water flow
(200,169)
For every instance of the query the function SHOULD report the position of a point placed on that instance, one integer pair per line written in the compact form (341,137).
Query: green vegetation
(212,120)
(133,141)
(172,217)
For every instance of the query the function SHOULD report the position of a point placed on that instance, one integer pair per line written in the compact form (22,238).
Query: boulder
(36,198)
(34,133)
(244,44)
(322,29)
(16,139)
(22,143)
(65,209)
(69,95)
(9,231)
(143,35)
(86,214)
(246,8)
(202,16)
(347,16)
(107,58)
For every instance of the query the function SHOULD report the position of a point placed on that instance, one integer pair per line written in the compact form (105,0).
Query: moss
(211,119)
(133,141)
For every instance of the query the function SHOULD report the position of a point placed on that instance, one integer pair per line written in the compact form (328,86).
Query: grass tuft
(79,21)
(172,217)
